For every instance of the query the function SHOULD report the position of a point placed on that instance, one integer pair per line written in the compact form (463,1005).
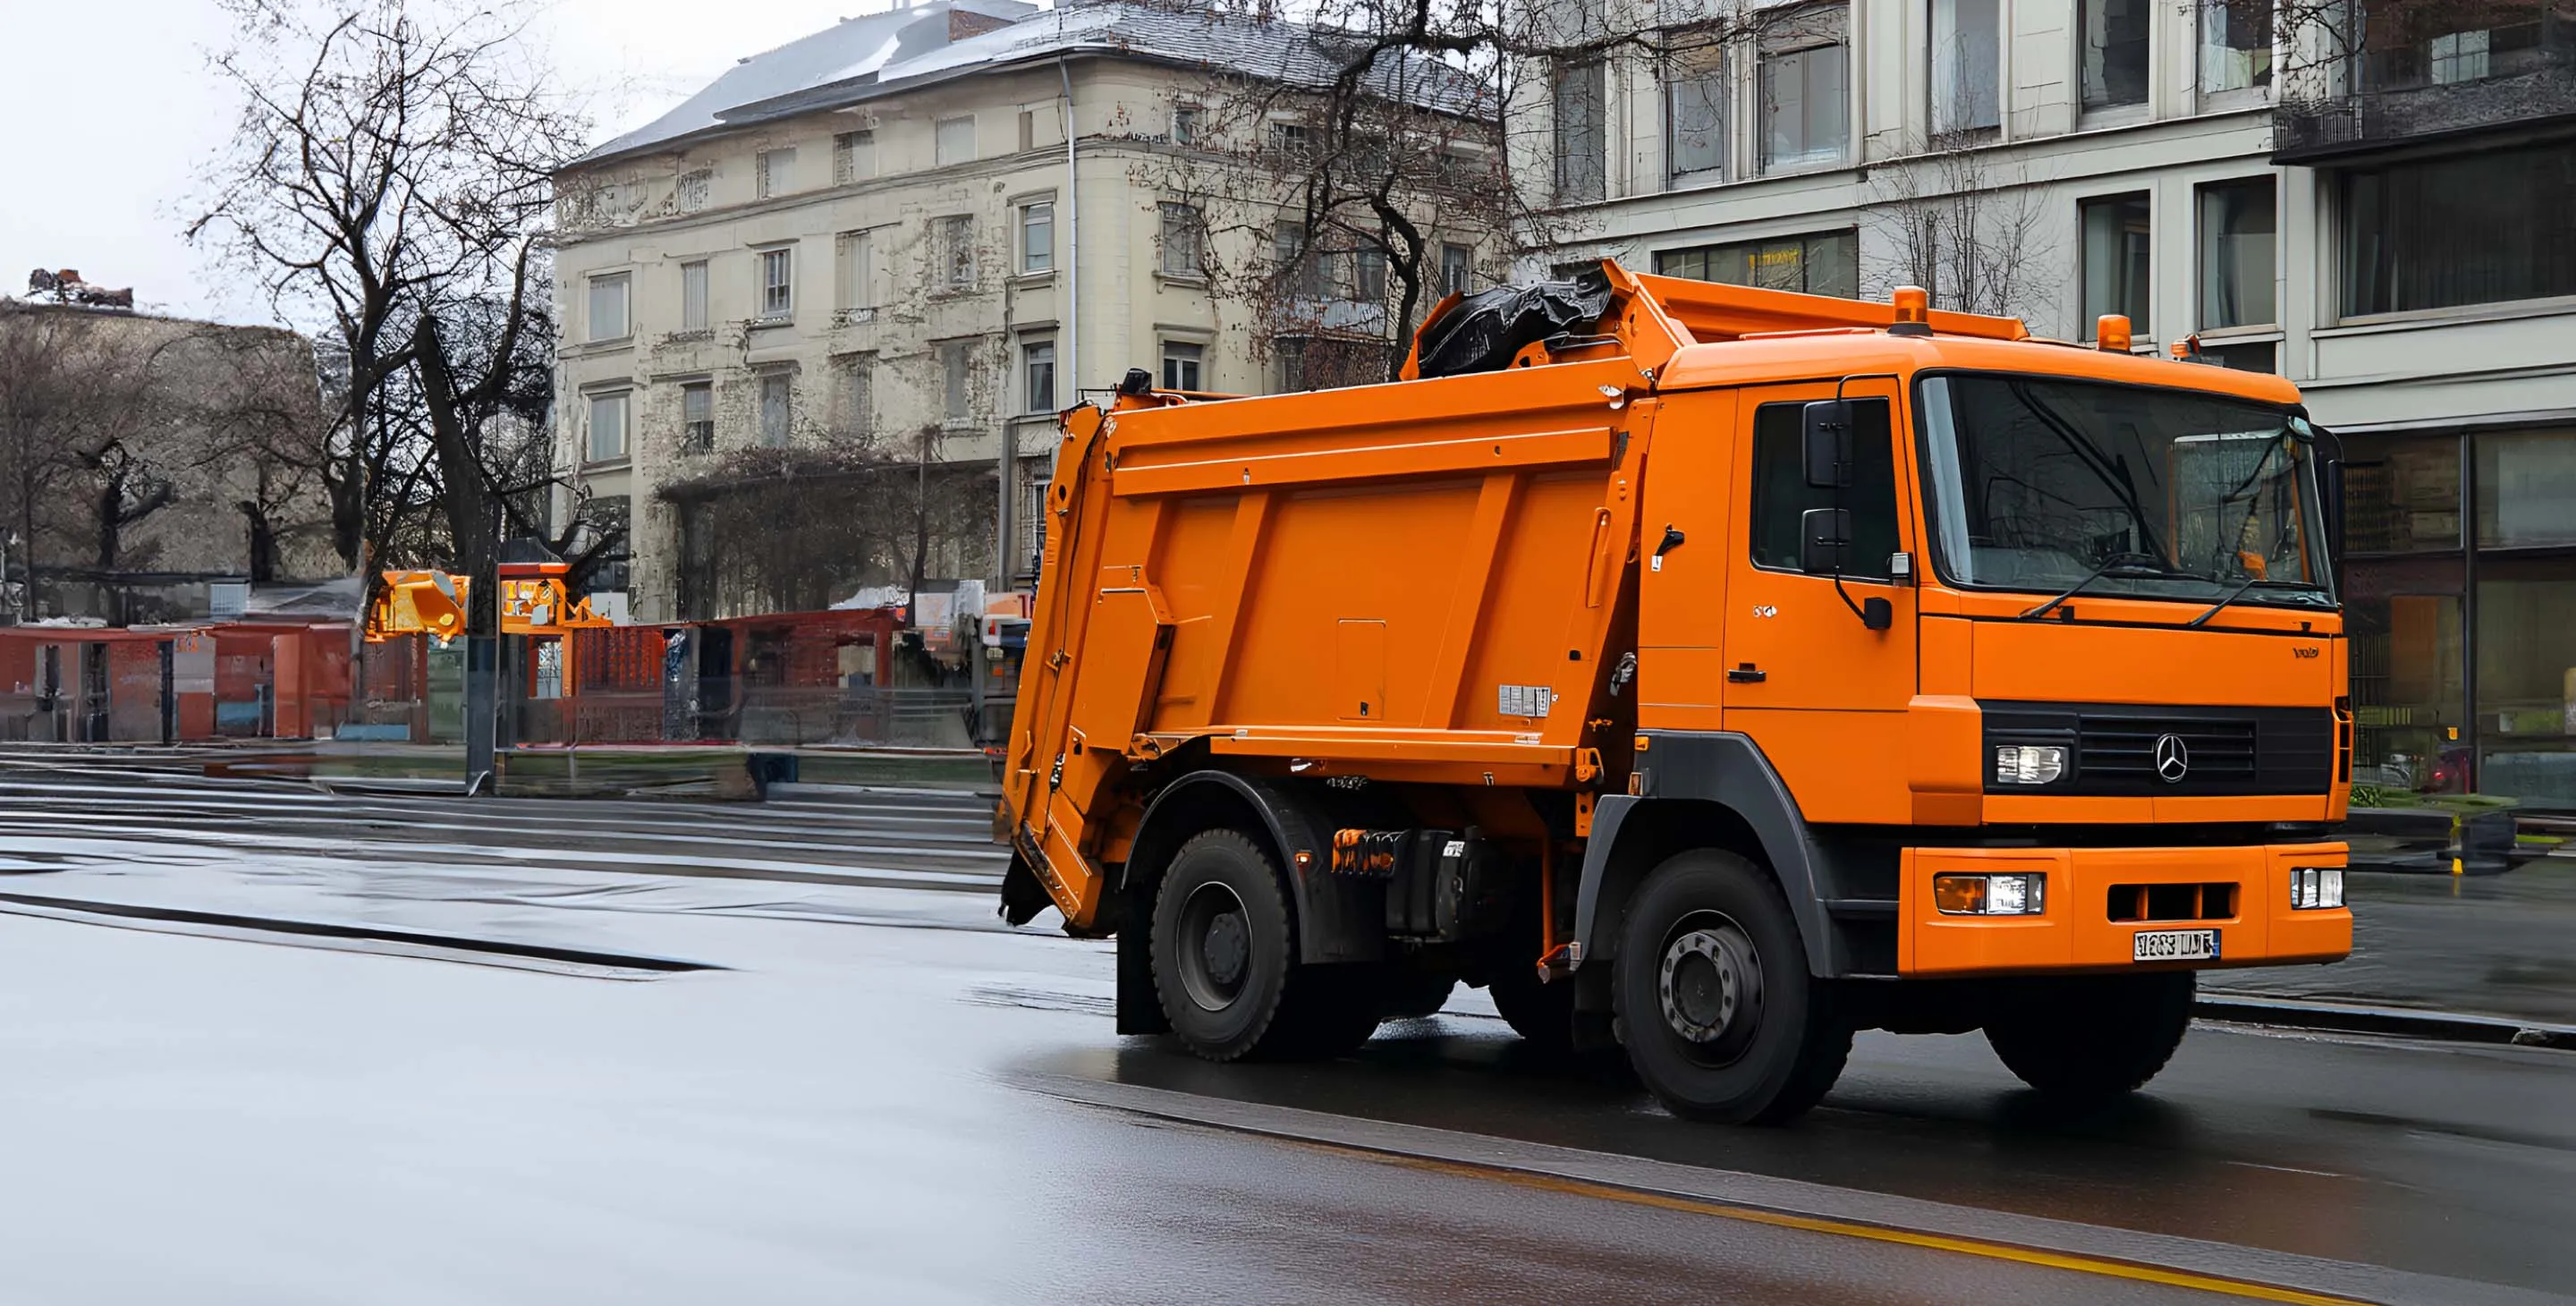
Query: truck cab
(1710,671)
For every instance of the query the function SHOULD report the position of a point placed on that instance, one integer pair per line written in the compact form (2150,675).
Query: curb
(2441,1026)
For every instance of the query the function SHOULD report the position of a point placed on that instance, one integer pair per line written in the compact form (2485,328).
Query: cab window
(1781,492)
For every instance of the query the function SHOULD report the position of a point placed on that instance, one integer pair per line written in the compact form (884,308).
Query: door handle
(1747,674)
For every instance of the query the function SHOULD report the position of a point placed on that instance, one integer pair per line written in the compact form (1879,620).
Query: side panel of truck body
(1425,588)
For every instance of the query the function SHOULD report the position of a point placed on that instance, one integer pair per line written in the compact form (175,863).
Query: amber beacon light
(1913,311)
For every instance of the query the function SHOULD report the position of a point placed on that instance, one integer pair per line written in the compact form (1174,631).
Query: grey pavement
(2491,945)
(865,1097)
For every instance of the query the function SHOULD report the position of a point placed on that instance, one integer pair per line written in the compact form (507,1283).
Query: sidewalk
(2487,945)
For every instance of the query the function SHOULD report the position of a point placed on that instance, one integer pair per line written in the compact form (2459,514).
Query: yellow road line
(1844,1228)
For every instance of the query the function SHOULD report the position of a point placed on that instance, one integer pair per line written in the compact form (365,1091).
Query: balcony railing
(2539,90)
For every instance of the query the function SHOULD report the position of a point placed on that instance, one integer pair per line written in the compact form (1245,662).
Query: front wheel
(2089,1037)
(1716,1008)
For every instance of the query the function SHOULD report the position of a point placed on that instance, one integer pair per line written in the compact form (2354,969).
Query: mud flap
(1023,897)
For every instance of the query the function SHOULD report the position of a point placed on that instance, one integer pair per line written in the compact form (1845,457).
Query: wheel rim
(1709,985)
(1215,938)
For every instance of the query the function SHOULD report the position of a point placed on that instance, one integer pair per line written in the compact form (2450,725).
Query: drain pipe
(1072,242)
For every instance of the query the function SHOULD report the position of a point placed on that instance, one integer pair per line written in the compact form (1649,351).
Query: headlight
(2313,887)
(2029,764)
(1990,895)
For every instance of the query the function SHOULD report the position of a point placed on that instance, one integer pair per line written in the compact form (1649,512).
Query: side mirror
(1824,537)
(2334,506)
(1825,443)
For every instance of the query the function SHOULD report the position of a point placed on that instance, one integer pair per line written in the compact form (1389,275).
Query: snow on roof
(862,58)
(826,56)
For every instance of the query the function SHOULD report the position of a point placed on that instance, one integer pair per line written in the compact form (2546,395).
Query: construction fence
(848,678)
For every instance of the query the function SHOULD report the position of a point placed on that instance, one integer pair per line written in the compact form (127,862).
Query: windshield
(2043,484)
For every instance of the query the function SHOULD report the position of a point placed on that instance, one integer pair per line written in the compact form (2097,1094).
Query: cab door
(1822,694)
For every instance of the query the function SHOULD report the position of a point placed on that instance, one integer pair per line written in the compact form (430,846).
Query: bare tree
(1340,174)
(389,174)
(61,386)
(1958,221)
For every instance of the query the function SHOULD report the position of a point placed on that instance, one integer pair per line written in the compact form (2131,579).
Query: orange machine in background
(1713,669)
(534,604)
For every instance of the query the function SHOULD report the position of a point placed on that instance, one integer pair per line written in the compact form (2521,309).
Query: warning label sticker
(1524,700)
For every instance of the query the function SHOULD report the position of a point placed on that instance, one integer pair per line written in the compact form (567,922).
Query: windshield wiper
(2239,592)
(2133,564)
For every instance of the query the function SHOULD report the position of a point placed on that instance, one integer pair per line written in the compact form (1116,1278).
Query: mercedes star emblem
(2173,761)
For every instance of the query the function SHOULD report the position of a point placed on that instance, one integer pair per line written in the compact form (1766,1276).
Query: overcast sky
(107,114)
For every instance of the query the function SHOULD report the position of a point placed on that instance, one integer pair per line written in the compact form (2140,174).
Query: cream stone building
(874,253)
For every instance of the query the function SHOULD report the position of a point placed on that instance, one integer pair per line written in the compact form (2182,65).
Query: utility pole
(483,662)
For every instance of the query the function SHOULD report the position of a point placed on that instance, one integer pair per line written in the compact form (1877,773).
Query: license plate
(2174,945)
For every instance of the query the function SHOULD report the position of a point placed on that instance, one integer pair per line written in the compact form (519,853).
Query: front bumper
(2078,931)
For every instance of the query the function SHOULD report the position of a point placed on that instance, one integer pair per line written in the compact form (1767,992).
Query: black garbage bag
(1486,330)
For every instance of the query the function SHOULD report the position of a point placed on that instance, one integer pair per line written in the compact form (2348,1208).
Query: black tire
(1413,994)
(1225,971)
(2091,1037)
(1542,1014)
(1716,1009)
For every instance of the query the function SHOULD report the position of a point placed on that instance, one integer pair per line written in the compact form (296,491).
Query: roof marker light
(1913,312)
(2111,333)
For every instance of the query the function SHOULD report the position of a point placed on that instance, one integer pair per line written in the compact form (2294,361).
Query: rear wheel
(1716,1008)
(1225,961)
(2090,1037)
(1412,995)
(1542,1014)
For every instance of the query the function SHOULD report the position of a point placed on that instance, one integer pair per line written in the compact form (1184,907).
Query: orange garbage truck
(1709,672)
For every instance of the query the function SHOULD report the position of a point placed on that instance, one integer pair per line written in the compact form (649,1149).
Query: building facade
(2382,211)
(819,320)
(153,468)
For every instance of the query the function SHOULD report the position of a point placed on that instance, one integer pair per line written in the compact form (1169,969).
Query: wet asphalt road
(880,1094)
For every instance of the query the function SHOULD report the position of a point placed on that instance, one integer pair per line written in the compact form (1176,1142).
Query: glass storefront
(2464,650)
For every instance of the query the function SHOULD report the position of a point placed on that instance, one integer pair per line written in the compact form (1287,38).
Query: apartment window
(1037,366)
(859,270)
(953,140)
(1288,355)
(1582,151)
(956,368)
(1457,269)
(777,169)
(1181,365)
(854,156)
(1695,103)
(1185,124)
(1368,276)
(608,307)
(1295,268)
(2116,261)
(698,416)
(1826,263)
(2483,228)
(1037,237)
(608,427)
(1805,90)
(1781,492)
(2237,231)
(1289,138)
(1967,56)
(2235,45)
(1180,241)
(693,188)
(955,250)
(777,282)
(2115,51)
(693,295)
(855,407)
(777,407)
